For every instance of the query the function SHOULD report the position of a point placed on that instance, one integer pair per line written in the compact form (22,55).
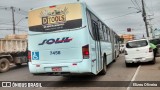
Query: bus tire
(4,65)
(114,60)
(104,70)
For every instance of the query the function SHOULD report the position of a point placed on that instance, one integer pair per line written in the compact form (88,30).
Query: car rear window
(136,44)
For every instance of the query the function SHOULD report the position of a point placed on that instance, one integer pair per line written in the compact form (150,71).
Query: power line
(133,3)
(148,8)
(137,4)
(3,23)
(4,18)
(16,10)
(16,25)
(20,29)
(152,7)
(121,16)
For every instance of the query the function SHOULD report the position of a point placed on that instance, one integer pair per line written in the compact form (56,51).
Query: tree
(121,40)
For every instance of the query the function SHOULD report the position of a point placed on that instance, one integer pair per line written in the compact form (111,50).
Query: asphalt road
(117,71)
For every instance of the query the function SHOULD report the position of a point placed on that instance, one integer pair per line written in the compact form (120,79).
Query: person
(154,47)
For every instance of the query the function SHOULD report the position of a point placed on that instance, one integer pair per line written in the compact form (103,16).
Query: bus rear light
(85,51)
(29,56)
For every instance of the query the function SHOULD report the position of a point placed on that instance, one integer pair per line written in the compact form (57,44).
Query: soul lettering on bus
(56,41)
(53,19)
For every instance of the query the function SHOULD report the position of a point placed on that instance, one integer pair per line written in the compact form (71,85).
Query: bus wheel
(114,60)
(4,65)
(104,70)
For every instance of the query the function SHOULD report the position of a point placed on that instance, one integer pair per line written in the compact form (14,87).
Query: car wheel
(153,61)
(127,64)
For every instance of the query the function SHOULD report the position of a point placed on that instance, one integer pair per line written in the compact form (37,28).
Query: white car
(138,51)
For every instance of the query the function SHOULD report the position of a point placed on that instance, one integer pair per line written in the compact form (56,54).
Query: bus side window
(94,25)
(114,38)
(95,30)
(90,24)
(101,33)
(109,38)
(105,33)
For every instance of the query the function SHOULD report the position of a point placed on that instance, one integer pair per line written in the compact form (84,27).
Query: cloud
(105,9)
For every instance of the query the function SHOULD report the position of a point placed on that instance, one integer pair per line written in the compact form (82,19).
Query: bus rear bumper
(66,68)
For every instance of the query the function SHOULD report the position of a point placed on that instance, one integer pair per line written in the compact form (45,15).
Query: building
(127,37)
(156,33)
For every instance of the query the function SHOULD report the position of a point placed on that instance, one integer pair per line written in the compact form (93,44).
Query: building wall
(127,37)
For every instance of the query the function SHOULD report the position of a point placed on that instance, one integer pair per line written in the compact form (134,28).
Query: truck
(13,51)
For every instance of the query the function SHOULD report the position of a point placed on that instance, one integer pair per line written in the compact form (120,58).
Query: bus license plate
(57,69)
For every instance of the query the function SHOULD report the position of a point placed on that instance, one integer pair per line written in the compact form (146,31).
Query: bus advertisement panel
(54,18)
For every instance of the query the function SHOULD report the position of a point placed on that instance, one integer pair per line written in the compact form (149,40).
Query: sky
(117,14)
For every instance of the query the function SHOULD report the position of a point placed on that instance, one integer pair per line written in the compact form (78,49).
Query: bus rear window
(60,17)
(136,44)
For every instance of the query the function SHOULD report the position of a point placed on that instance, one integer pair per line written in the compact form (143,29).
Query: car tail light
(29,56)
(125,52)
(85,51)
(150,49)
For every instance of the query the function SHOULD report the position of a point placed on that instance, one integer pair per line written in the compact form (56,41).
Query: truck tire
(18,64)
(4,65)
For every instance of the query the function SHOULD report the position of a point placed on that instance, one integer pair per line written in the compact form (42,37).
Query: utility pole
(145,18)
(150,25)
(12,8)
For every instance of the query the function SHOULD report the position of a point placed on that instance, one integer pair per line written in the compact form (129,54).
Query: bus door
(97,46)
(113,45)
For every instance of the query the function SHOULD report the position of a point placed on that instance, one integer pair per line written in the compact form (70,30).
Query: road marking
(134,77)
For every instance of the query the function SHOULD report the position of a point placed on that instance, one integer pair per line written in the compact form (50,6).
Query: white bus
(69,39)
